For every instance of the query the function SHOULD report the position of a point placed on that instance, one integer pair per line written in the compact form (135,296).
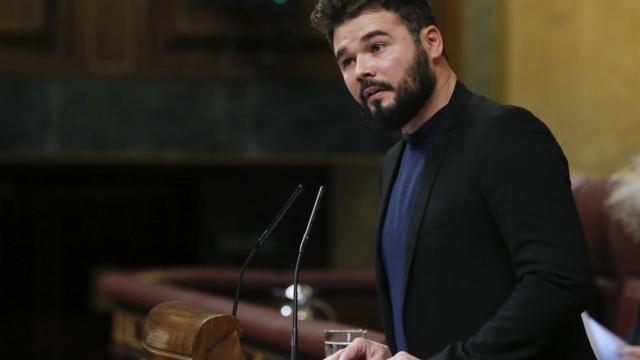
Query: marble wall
(181,116)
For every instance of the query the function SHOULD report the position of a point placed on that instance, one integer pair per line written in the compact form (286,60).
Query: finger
(403,356)
(335,355)
(372,350)
(355,350)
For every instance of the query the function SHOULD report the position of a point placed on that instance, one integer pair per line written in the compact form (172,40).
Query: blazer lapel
(430,173)
(389,171)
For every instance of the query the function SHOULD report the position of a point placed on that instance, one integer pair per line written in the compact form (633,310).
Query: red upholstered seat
(615,256)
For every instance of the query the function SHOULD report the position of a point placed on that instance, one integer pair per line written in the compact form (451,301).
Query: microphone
(303,242)
(265,235)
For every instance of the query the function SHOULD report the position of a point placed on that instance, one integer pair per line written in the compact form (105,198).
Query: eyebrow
(364,38)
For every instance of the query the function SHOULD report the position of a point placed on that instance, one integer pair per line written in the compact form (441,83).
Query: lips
(369,88)
(372,90)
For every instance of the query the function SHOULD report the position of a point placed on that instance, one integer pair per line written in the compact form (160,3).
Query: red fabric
(614,255)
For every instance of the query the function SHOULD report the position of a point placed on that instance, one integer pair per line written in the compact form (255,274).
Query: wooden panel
(177,37)
(224,38)
(110,35)
(244,39)
(448,15)
(21,16)
(38,36)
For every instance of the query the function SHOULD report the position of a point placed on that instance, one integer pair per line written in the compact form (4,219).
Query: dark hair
(329,14)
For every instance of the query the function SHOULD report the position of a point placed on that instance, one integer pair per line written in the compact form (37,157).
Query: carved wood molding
(37,36)
(111,40)
(206,37)
(176,37)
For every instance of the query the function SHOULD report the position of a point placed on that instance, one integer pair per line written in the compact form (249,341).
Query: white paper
(604,343)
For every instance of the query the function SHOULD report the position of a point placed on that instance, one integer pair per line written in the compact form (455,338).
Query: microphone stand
(303,242)
(265,235)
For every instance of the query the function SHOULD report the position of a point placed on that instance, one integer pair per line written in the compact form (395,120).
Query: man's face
(382,67)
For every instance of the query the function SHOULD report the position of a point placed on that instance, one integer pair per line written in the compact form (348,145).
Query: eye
(377,47)
(346,62)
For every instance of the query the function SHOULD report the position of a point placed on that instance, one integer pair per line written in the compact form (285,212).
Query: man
(481,253)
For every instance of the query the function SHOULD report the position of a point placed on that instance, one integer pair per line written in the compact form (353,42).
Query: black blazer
(496,264)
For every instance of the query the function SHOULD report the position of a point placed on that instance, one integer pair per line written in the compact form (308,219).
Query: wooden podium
(178,331)
(133,298)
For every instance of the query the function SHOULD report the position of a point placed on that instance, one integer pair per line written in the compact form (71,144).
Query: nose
(364,68)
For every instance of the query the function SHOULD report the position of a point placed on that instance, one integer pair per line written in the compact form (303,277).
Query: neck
(445,84)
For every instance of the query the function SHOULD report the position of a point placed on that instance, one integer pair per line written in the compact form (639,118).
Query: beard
(411,95)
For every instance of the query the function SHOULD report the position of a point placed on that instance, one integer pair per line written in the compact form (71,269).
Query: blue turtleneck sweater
(396,223)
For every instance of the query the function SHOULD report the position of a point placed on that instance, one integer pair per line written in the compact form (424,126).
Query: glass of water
(335,340)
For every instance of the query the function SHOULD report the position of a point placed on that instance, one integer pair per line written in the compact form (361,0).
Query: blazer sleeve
(523,176)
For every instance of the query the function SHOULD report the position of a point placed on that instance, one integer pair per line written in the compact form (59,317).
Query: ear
(432,41)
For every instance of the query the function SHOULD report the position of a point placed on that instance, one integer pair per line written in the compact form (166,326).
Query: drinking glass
(336,339)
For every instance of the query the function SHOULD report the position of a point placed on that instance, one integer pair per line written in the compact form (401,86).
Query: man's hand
(363,349)
(630,352)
